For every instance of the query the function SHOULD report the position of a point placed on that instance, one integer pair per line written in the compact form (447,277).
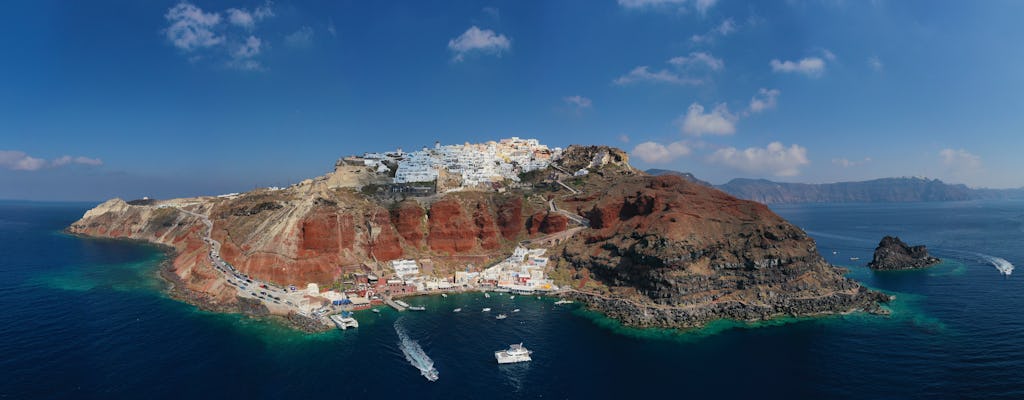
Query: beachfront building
(522,272)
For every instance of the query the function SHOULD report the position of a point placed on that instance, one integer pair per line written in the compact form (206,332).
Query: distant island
(884,190)
(892,254)
(510,215)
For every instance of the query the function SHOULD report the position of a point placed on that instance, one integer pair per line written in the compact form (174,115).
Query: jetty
(394,304)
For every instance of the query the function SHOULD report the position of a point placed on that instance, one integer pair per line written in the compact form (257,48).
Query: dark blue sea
(86,318)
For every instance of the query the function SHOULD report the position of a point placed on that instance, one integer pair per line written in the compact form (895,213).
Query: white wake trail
(1004,267)
(415,355)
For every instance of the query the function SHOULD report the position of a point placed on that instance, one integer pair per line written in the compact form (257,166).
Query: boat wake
(414,354)
(1004,267)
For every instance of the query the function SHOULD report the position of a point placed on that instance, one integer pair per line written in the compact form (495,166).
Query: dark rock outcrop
(892,254)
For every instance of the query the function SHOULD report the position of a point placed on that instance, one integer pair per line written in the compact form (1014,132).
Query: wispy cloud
(624,138)
(192,28)
(875,64)
(811,66)
(643,74)
(476,40)
(960,163)
(301,38)
(200,34)
(578,102)
(765,99)
(775,159)
(725,28)
(20,161)
(718,121)
(701,6)
(657,153)
(847,163)
(696,59)
(248,19)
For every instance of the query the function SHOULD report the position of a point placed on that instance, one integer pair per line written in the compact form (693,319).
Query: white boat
(445,295)
(417,308)
(344,322)
(563,301)
(501,316)
(511,297)
(375,310)
(457,309)
(402,303)
(854,258)
(515,353)
(516,310)
(488,309)
(487,295)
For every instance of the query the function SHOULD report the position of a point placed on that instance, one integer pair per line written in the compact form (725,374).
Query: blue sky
(170,98)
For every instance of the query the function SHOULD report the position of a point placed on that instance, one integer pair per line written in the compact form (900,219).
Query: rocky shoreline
(178,290)
(647,315)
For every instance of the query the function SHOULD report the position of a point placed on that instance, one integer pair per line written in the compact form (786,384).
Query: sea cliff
(649,251)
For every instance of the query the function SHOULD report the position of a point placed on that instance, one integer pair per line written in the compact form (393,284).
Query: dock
(393,304)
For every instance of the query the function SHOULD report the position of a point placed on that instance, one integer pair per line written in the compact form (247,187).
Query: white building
(405,268)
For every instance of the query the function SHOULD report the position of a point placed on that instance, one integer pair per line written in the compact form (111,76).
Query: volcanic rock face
(892,254)
(675,253)
(302,235)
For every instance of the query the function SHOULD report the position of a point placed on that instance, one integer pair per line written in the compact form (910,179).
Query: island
(512,215)
(892,254)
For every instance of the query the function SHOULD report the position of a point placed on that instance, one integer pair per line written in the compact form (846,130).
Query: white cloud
(192,28)
(19,161)
(846,163)
(698,58)
(657,153)
(204,36)
(810,66)
(476,40)
(330,28)
(249,49)
(242,57)
(829,55)
(650,3)
(644,74)
(577,101)
(766,99)
(875,63)
(624,138)
(775,159)
(492,12)
(719,121)
(725,28)
(248,19)
(300,38)
(960,163)
(704,5)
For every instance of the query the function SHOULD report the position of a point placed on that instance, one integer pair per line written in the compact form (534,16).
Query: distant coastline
(883,190)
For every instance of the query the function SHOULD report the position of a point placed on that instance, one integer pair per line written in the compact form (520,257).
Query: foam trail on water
(1004,267)
(414,354)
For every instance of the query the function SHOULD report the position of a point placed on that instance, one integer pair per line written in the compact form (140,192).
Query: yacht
(445,295)
(854,258)
(487,295)
(563,301)
(487,309)
(516,310)
(417,308)
(501,316)
(457,309)
(512,297)
(515,353)
(344,321)
(376,310)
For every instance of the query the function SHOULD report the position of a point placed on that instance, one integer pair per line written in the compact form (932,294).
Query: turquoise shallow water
(87,318)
